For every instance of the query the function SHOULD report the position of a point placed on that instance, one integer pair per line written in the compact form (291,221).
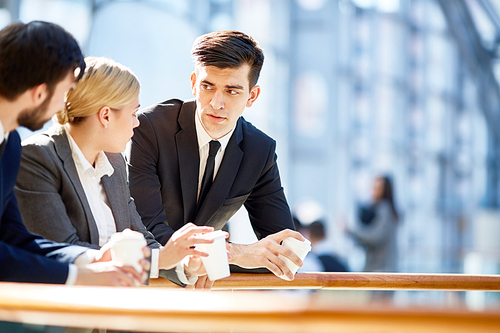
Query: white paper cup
(301,249)
(126,248)
(216,263)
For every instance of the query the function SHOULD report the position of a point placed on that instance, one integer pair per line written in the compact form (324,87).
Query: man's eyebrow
(207,82)
(235,87)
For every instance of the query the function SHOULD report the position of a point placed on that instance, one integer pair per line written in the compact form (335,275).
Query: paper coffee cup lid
(127,234)
(213,234)
(306,244)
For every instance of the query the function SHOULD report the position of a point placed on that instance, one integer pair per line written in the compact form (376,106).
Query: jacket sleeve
(378,231)
(267,207)
(42,206)
(25,257)
(133,218)
(171,275)
(142,157)
(136,224)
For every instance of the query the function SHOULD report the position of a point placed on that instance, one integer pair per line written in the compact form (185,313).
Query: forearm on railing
(359,281)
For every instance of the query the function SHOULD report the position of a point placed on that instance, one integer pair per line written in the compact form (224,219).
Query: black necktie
(208,176)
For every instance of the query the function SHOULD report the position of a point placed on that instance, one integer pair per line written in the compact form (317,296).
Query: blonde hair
(104,83)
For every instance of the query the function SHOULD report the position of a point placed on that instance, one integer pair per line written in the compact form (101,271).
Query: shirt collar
(204,138)
(3,136)
(102,164)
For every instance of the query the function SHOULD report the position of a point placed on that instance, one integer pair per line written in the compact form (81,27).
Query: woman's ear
(104,116)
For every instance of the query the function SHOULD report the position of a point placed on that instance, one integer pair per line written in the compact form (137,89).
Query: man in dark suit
(37,67)
(200,161)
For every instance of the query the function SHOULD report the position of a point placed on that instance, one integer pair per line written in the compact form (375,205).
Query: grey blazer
(379,239)
(51,197)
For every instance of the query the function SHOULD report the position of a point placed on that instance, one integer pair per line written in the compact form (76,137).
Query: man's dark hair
(229,49)
(317,230)
(36,53)
(388,194)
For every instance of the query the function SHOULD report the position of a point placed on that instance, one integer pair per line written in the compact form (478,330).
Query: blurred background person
(352,87)
(329,261)
(311,261)
(375,228)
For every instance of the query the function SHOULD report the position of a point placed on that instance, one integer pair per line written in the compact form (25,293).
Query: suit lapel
(114,192)
(6,168)
(63,150)
(189,159)
(224,180)
(2,185)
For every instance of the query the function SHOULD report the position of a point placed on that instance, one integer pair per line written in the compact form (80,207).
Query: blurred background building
(350,89)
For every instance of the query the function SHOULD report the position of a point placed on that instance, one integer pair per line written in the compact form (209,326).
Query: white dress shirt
(90,178)
(204,147)
(4,136)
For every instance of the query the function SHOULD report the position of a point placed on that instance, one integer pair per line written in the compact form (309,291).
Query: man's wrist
(183,274)
(235,252)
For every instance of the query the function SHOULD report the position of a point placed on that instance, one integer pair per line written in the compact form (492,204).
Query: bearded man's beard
(34,118)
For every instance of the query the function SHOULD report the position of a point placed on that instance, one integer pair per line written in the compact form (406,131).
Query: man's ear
(254,93)
(104,116)
(39,93)
(193,83)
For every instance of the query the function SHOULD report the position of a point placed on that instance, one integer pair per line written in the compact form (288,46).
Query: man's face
(34,118)
(221,97)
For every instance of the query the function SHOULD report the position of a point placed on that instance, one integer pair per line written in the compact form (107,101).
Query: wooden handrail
(359,281)
(168,310)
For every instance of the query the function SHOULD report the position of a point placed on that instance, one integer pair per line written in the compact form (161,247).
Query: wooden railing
(168,310)
(360,281)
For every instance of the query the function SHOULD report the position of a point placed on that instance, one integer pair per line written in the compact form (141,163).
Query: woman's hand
(182,243)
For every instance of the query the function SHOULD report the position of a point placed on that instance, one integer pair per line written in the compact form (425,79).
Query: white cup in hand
(126,248)
(301,249)
(216,264)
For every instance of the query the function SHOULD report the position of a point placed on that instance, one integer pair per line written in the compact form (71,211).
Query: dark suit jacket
(25,257)
(163,174)
(52,199)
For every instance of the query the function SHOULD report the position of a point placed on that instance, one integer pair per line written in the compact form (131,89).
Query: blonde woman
(72,183)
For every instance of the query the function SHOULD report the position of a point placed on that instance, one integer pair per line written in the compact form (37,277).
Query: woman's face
(122,126)
(378,189)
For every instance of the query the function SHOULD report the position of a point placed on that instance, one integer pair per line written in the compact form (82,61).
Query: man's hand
(195,267)
(104,254)
(203,283)
(264,253)
(109,274)
(182,244)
